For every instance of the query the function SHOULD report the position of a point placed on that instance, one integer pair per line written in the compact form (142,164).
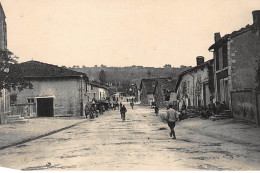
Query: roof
(209,62)
(233,34)
(166,83)
(149,84)
(98,84)
(36,69)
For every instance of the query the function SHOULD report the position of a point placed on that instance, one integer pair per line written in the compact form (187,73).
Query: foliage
(149,74)
(133,74)
(102,77)
(10,75)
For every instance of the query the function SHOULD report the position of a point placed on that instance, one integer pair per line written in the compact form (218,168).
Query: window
(30,101)
(225,58)
(13,99)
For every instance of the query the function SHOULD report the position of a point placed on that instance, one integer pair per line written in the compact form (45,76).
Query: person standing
(86,111)
(132,105)
(91,112)
(123,110)
(95,110)
(172,116)
(156,110)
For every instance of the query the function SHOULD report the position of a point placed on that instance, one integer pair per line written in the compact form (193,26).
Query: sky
(149,33)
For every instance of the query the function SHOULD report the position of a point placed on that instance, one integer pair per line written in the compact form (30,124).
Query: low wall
(244,105)
(19,109)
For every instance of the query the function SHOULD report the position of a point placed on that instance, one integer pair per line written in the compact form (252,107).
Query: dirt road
(142,142)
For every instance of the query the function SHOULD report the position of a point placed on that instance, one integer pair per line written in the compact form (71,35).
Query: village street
(142,142)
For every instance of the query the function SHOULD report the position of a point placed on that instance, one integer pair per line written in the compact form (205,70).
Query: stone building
(3,31)
(97,91)
(164,91)
(147,88)
(4,96)
(237,57)
(193,86)
(56,91)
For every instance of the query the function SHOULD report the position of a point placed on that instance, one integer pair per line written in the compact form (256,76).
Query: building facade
(56,91)
(147,88)
(237,57)
(3,30)
(4,95)
(163,89)
(193,85)
(97,91)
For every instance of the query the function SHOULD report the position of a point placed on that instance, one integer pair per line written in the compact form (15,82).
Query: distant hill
(130,75)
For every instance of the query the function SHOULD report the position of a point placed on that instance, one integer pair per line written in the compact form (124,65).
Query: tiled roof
(98,84)
(36,69)
(209,62)
(149,84)
(233,34)
(167,83)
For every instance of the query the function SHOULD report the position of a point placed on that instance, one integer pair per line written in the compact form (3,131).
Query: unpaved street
(142,142)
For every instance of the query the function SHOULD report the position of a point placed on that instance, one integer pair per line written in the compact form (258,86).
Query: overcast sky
(121,32)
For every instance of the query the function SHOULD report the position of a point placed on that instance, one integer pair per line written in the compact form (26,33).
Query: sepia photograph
(130,85)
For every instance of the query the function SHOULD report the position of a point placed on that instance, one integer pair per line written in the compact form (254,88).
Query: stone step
(213,118)
(13,116)
(17,121)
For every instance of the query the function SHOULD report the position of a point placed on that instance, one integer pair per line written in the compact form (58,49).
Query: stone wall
(244,105)
(159,97)
(144,95)
(3,33)
(244,56)
(65,92)
(194,82)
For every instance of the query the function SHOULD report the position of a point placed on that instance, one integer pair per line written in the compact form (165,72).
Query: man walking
(132,105)
(156,110)
(123,110)
(172,116)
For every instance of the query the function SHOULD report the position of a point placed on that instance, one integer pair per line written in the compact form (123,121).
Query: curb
(41,136)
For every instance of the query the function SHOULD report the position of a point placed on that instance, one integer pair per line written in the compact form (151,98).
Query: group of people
(93,110)
(213,108)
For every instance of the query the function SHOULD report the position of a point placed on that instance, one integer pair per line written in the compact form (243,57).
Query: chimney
(256,17)
(200,60)
(217,36)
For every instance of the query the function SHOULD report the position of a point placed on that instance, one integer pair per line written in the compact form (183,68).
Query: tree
(10,75)
(149,74)
(102,77)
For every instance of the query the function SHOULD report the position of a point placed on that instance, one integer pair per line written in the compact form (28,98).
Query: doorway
(45,107)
